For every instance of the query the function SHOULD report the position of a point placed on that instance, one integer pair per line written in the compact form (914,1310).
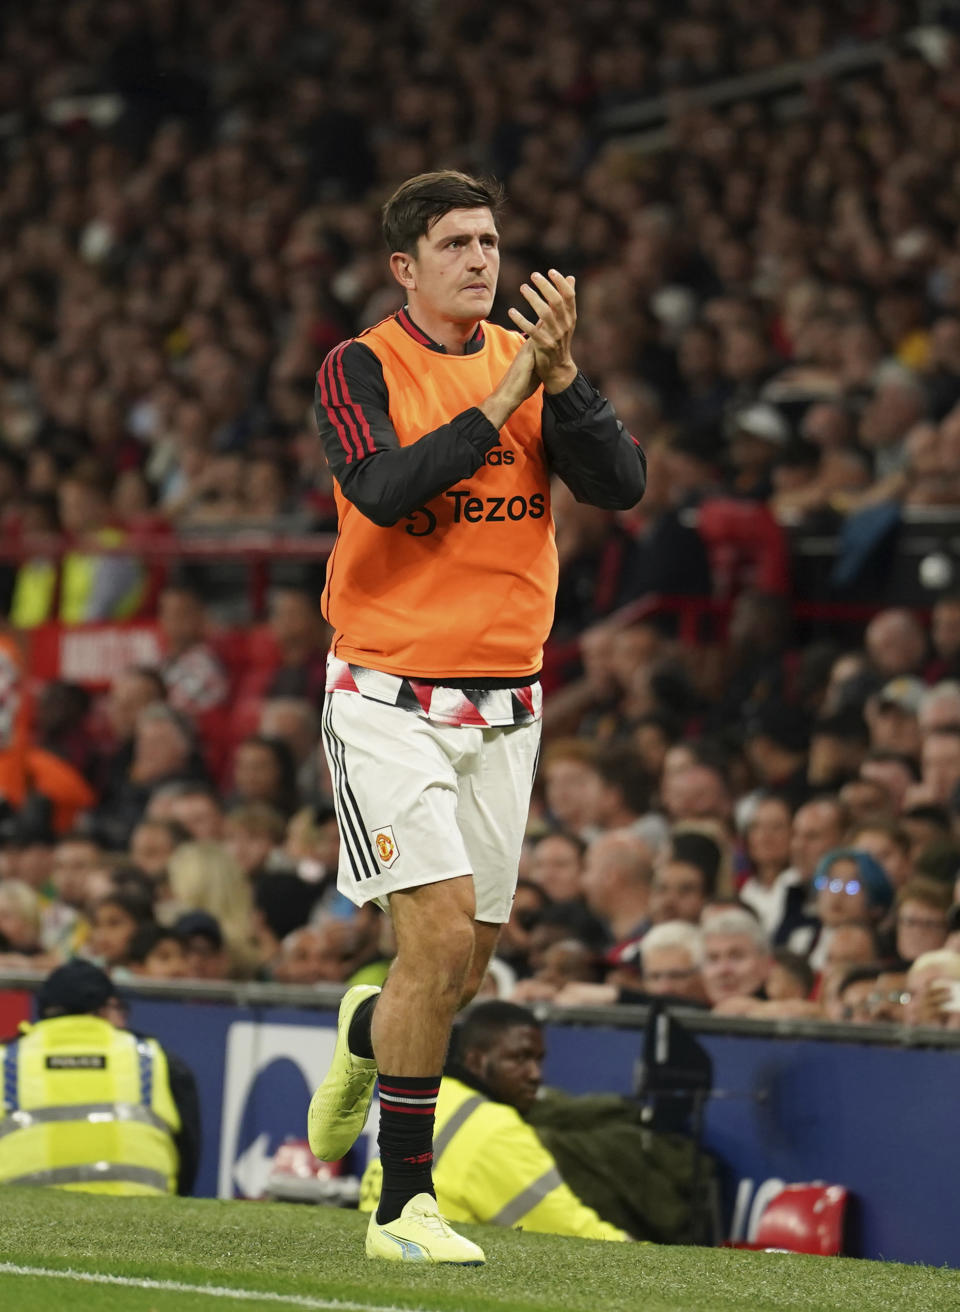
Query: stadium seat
(802,1218)
(296,1176)
(745,545)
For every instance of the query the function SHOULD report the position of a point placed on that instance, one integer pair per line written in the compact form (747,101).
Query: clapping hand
(554,302)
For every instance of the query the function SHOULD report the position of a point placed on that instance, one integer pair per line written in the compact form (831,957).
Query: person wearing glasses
(849,885)
(921,925)
(871,995)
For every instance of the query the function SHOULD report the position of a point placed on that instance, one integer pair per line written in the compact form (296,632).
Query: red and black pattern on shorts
(479,707)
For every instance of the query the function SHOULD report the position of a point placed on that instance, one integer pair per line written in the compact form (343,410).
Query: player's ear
(402,268)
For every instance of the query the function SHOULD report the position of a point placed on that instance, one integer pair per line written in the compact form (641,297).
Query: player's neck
(451,334)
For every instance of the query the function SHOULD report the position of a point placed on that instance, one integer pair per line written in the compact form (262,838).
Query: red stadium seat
(802,1218)
(746,547)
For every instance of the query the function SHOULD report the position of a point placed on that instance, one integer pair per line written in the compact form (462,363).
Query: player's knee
(441,958)
(471,986)
(452,949)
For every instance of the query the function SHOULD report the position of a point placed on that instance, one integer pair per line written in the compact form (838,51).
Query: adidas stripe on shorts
(418,802)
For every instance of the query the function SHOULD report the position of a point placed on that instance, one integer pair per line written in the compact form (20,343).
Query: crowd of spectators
(188,223)
(771,857)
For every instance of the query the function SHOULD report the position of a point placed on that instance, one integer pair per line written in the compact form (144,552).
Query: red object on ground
(802,1218)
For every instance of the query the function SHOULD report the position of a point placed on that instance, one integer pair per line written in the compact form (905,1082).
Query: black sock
(407,1105)
(358,1035)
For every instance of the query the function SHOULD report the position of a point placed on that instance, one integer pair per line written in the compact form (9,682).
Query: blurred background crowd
(756,812)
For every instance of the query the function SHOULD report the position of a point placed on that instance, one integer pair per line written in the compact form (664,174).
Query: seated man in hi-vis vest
(86,1104)
(488,1163)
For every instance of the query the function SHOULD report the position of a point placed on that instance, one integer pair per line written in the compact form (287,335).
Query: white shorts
(419,802)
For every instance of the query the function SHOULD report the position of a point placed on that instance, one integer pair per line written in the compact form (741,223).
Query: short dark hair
(797,967)
(892,829)
(620,767)
(131,879)
(929,814)
(665,721)
(417,204)
(147,937)
(857,974)
(195,788)
(933,893)
(282,753)
(577,922)
(483,1025)
(151,674)
(574,840)
(691,848)
(175,831)
(132,901)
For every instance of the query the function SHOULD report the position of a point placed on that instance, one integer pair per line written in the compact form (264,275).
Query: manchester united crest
(386,845)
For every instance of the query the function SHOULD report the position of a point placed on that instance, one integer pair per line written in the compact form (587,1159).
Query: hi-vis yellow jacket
(35,586)
(489,1165)
(87,1107)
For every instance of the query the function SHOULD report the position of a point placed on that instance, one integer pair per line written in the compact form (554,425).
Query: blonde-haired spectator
(206,877)
(20,922)
(313,842)
(251,833)
(933,988)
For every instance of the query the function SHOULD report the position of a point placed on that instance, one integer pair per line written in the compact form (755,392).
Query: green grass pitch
(262,1256)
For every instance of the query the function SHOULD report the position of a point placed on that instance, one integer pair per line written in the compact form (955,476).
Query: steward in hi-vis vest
(488,1163)
(89,1106)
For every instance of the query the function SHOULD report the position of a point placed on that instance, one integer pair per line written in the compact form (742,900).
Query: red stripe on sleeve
(356,412)
(336,371)
(324,378)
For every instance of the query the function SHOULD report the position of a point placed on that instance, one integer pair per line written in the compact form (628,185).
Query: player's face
(455,271)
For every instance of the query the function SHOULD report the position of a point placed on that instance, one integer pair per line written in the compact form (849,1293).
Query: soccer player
(442,431)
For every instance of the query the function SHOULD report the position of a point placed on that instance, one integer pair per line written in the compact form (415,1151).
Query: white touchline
(214,1291)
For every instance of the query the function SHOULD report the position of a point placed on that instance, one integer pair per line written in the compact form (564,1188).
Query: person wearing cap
(757,435)
(87,1105)
(203,945)
(893,716)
